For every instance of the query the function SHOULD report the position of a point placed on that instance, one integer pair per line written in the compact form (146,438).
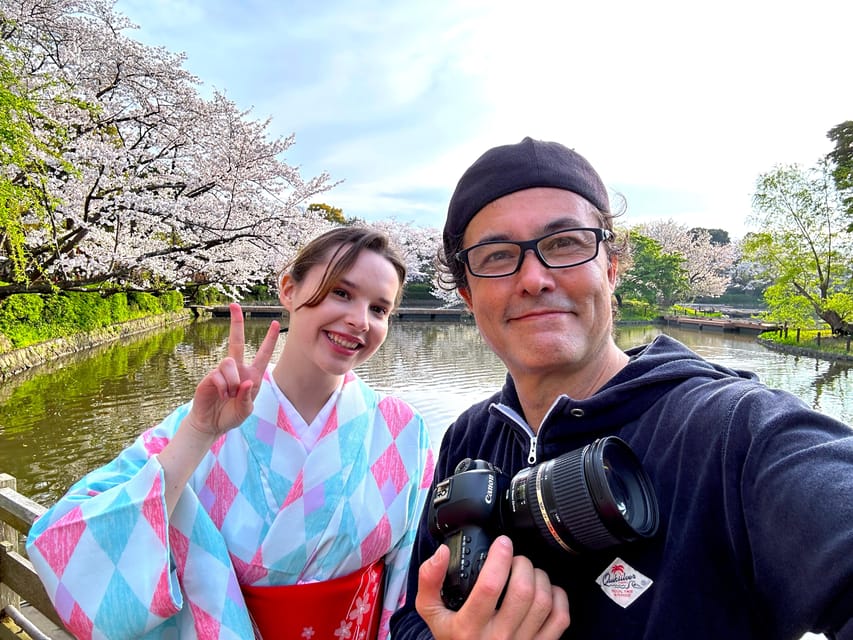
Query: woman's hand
(223,400)
(225,397)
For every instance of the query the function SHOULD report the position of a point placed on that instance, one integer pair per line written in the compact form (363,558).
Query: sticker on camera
(622,583)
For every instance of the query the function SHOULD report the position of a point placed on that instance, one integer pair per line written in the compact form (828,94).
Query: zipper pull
(531,456)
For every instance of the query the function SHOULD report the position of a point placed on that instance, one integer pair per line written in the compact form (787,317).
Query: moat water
(62,419)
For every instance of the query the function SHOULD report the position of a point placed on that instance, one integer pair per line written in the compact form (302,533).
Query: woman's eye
(380,311)
(341,293)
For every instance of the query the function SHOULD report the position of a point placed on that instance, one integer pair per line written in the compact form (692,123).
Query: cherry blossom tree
(706,264)
(418,244)
(168,187)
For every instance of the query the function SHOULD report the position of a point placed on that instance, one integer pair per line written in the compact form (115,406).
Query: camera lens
(588,499)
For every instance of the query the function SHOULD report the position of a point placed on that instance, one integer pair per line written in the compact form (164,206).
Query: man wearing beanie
(751,535)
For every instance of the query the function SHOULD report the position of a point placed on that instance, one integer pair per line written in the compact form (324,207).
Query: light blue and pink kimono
(275,502)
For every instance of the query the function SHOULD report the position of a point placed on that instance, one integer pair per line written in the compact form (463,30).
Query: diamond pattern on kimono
(120,598)
(243,527)
(266,537)
(142,541)
(80,623)
(125,513)
(288,459)
(397,414)
(154,444)
(204,573)
(163,604)
(98,568)
(331,424)
(206,625)
(218,495)
(374,545)
(350,439)
(154,510)
(57,543)
(296,491)
(180,545)
(390,469)
(283,539)
(265,431)
(252,572)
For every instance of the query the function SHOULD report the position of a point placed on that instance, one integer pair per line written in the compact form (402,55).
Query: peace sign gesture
(225,397)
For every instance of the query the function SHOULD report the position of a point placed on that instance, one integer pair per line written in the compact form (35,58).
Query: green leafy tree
(28,140)
(330,213)
(842,159)
(804,245)
(716,236)
(653,275)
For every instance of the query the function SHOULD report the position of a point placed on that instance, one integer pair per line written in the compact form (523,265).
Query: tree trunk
(836,323)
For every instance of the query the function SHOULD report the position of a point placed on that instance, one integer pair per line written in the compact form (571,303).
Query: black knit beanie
(513,167)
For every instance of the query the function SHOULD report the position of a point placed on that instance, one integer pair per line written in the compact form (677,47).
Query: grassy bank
(811,341)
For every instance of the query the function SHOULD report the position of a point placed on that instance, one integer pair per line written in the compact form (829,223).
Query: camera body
(589,499)
(465,512)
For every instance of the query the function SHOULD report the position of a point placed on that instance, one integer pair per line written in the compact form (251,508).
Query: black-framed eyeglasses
(557,250)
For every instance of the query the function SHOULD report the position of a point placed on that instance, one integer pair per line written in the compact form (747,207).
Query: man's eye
(565,242)
(499,256)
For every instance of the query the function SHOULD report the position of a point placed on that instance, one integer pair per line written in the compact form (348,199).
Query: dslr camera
(589,499)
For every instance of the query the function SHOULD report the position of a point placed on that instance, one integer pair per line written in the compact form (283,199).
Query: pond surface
(62,419)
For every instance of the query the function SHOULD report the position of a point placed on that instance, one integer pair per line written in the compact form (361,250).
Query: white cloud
(680,106)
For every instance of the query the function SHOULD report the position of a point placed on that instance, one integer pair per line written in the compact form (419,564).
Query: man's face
(540,320)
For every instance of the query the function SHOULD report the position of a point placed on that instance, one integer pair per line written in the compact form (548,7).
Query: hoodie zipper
(510,415)
(531,454)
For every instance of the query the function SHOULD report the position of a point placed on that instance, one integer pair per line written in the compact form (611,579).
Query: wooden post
(9,542)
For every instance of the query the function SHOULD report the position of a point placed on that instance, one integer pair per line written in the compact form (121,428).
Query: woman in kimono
(281,502)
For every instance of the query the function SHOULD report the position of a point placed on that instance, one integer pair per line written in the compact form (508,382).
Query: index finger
(489,586)
(236,338)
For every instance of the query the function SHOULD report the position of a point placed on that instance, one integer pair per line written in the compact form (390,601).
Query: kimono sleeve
(102,551)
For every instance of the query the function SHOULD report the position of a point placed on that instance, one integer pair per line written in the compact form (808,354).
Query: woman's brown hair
(338,249)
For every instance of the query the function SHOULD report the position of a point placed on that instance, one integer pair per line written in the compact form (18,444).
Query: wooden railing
(21,591)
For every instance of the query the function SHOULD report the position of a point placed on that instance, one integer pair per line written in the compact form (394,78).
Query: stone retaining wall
(14,362)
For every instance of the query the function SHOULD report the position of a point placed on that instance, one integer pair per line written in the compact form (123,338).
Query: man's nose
(534,276)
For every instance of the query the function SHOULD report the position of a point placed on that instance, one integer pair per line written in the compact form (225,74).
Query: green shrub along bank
(27,319)
(818,340)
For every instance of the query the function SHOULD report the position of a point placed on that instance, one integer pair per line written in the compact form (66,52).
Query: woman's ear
(286,291)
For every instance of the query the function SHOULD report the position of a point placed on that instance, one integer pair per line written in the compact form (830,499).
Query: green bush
(631,310)
(26,319)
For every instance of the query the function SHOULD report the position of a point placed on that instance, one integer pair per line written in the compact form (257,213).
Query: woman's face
(350,323)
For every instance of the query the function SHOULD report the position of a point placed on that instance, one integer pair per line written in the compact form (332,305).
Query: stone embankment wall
(18,360)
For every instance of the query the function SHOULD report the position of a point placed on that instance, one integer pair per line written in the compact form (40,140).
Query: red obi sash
(346,607)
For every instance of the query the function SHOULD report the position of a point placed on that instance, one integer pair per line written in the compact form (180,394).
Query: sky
(680,106)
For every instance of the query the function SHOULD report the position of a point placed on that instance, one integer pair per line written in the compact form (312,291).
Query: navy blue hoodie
(755,492)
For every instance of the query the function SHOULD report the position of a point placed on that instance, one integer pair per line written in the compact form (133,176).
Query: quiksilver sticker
(622,583)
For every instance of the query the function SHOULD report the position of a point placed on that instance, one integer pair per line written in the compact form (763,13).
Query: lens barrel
(589,499)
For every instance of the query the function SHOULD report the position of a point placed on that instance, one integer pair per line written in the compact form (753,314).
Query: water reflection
(62,419)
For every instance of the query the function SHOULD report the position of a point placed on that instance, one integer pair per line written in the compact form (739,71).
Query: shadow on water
(62,419)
